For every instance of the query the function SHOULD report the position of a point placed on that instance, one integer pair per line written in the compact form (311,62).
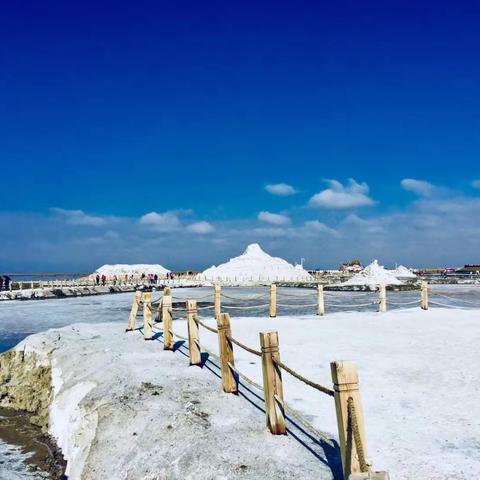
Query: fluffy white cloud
(273,218)
(200,227)
(338,196)
(418,187)
(162,222)
(476,184)
(280,189)
(314,226)
(78,217)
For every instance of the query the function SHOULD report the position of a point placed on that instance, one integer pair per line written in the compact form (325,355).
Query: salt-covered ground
(417,369)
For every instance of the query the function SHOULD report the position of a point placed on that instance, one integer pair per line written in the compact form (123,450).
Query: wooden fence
(344,390)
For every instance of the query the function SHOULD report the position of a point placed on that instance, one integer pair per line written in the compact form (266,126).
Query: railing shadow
(325,452)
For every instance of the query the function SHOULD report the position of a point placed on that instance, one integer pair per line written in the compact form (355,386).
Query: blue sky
(149,131)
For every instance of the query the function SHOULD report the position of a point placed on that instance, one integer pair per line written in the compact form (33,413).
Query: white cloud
(340,197)
(201,227)
(280,189)
(418,187)
(78,217)
(273,218)
(162,222)
(315,226)
(476,184)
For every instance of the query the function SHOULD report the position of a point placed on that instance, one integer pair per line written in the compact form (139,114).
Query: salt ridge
(374,274)
(256,265)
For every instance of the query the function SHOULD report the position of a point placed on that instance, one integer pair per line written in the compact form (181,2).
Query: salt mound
(256,265)
(403,272)
(135,270)
(374,274)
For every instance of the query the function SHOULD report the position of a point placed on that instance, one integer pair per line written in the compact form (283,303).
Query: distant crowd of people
(151,279)
(5,282)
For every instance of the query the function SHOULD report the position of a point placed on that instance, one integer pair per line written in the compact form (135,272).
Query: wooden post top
(344,374)
(269,341)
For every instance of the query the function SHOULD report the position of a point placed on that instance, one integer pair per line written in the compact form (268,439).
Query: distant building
(469,269)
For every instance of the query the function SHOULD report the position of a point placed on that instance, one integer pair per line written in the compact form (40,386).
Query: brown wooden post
(345,384)
(147,316)
(320,301)
(272,383)
(132,318)
(424,296)
(382,298)
(226,353)
(217,298)
(193,333)
(273,300)
(167,291)
(167,314)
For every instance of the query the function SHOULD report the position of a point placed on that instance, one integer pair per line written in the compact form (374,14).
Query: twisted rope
(403,303)
(280,294)
(255,297)
(337,305)
(246,307)
(204,325)
(308,426)
(468,302)
(245,347)
(295,306)
(204,308)
(244,377)
(353,423)
(316,386)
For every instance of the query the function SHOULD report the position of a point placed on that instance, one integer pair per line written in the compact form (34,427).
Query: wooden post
(226,353)
(132,319)
(193,333)
(147,316)
(217,298)
(382,298)
(272,383)
(320,301)
(273,300)
(424,296)
(345,384)
(167,322)
(167,291)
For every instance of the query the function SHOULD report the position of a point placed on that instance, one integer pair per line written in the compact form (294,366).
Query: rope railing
(245,307)
(353,422)
(298,305)
(245,347)
(256,297)
(389,302)
(204,325)
(298,376)
(344,375)
(344,305)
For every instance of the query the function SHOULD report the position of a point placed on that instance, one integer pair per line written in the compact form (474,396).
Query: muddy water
(25,452)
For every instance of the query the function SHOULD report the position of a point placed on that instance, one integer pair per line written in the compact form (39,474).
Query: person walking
(1,283)
(97,279)
(104,279)
(6,282)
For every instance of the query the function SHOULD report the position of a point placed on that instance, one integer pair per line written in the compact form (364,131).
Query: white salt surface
(256,265)
(403,272)
(136,270)
(417,370)
(373,274)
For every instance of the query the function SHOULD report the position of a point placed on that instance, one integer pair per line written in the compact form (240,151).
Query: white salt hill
(255,265)
(403,272)
(135,270)
(373,274)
